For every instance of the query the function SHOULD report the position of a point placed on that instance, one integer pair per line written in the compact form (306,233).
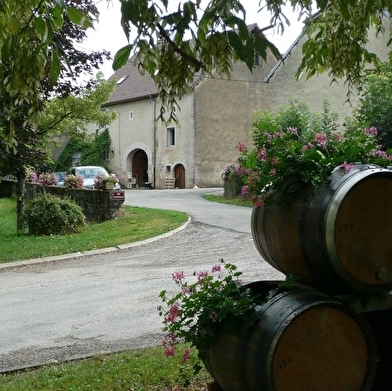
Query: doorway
(179,175)
(140,167)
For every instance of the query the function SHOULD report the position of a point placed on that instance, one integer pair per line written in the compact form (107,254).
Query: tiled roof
(133,85)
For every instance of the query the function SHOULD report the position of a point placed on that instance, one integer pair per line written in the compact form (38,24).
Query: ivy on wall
(94,151)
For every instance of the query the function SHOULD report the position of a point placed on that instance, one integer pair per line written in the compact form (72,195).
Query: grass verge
(231,201)
(136,224)
(140,370)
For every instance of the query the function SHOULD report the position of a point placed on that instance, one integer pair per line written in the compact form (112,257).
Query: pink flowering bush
(296,148)
(214,301)
(48,178)
(31,176)
(73,182)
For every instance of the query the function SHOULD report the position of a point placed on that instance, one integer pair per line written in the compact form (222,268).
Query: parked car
(88,173)
(60,176)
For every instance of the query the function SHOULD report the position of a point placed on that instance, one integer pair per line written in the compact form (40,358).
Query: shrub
(233,180)
(73,181)
(49,215)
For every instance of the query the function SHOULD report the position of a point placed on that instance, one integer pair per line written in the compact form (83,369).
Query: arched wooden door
(179,175)
(140,167)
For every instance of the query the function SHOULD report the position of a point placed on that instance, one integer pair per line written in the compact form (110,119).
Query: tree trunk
(20,202)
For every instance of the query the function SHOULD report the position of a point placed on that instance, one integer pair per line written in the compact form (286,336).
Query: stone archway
(179,175)
(140,167)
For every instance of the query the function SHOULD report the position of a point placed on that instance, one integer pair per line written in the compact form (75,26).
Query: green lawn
(140,370)
(136,224)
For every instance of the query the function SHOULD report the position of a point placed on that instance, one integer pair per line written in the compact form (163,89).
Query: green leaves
(200,309)
(174,46)
(78,17)
(338,39)
(297,148)
(122,56)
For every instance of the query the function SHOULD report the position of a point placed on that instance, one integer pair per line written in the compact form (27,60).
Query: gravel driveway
(70,307)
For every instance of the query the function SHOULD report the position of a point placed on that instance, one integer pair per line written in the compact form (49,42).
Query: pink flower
(373,131)
(169,340)
(169,351)
(186,355)
(241,147)
(273,171)
(292,130)
(338,137)
(321,139)
(239,169)
(173,313)
(186,290)
(262,154)
(202,274)
(307,146)
(380,153)
(213,316)
(245,190)
(178,276)
(216,268)
(258,202)
(346,166)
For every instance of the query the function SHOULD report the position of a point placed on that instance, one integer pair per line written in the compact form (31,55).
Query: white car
(88,173)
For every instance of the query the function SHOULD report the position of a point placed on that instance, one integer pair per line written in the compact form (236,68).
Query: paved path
(104,302)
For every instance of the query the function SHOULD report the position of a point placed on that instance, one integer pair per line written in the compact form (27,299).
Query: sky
(109,35)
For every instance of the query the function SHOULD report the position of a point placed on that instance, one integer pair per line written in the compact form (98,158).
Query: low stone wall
(7,188)
(97,205)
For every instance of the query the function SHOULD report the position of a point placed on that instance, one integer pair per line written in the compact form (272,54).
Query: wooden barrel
(303,340)
(338,238)
(380,322)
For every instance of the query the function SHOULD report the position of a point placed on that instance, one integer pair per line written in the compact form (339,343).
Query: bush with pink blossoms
(214,300)
(296,147)
(31,176)
(73,182)
(48,178)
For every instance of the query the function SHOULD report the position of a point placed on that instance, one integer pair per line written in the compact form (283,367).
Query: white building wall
(183,152)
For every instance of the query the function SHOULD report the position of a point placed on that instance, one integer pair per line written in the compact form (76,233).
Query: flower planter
(108,185)
(337,238)
(304,340)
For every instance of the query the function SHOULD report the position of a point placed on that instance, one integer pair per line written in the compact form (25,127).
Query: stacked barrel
(331,330)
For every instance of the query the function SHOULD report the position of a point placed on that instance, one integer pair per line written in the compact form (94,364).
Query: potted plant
(247,335)
(196,313)
(211,302)
(284,160)
(103,182)
(322,197)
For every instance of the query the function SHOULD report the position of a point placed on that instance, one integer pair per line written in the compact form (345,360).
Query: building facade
(211,120)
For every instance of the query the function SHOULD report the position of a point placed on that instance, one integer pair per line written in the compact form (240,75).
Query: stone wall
(7,188)
(97,205)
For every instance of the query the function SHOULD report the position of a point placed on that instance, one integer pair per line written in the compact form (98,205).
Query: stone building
(211,120)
